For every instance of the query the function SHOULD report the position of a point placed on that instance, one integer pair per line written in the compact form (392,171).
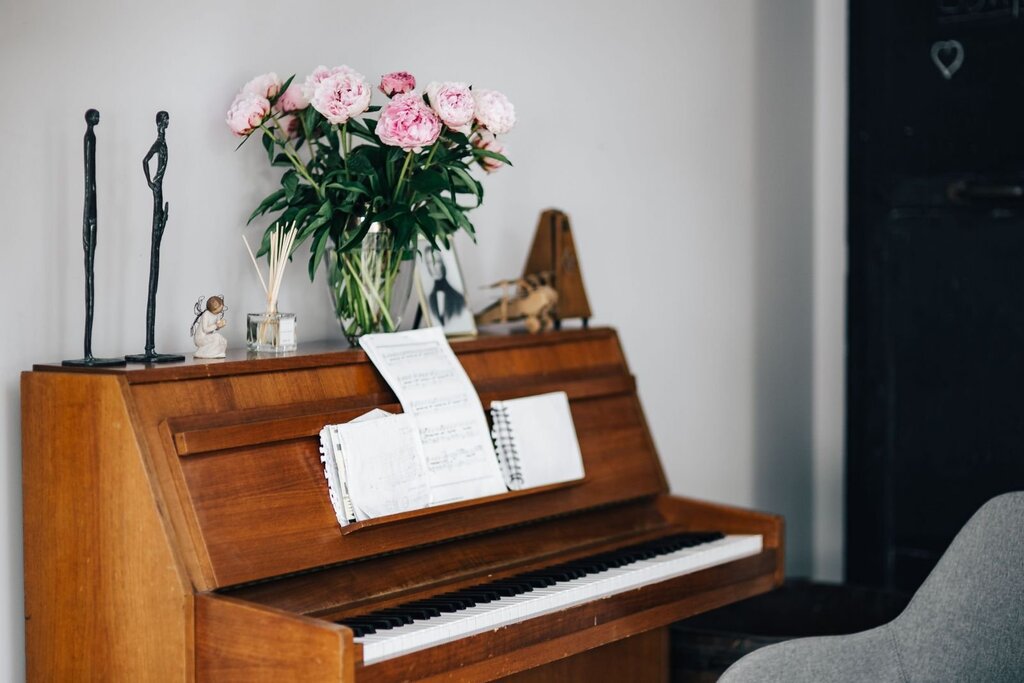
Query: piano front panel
(240,455)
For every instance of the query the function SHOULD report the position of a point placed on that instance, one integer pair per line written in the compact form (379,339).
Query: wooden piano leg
(642,658)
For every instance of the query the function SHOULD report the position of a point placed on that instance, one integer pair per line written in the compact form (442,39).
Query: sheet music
(431,384)
(383,465)
(333,459)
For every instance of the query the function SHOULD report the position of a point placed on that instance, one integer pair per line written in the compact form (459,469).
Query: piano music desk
(178,528)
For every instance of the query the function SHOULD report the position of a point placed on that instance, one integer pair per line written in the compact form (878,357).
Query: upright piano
(178,528)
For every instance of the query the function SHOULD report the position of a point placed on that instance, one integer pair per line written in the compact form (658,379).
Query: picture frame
(441,290)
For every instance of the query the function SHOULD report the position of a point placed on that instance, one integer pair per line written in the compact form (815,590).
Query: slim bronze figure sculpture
(92,118)
(160,211)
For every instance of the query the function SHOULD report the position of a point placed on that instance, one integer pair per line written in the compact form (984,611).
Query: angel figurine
(209,319)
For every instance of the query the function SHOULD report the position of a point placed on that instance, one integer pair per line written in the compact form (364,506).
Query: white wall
(679,135)
(829,286)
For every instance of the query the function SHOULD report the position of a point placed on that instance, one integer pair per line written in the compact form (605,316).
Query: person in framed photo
(442,292)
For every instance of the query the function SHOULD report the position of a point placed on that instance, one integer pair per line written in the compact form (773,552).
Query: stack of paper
(374,466)
(438,451)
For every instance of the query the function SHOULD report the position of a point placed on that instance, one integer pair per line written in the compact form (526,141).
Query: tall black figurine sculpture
(92,118)
(160,211)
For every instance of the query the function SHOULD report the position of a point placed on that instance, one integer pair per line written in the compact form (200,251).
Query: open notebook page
(541,440)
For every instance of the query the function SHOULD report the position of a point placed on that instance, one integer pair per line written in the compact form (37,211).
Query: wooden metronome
(554,252)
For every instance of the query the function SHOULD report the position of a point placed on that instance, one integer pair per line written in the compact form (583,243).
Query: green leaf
(478,153)
(428,227)
(442,206)
(360,165)
(312,228)
(429,182)
(284,86)
(456,212)
(268,144)
(358,235)
(405,229)
(309,118)
(459,139)
(266,204)
(350,186)
(290,182)
(325,209)
(317,253)
(471,183)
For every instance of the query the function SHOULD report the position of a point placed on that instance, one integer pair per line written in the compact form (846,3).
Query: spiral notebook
(535,440)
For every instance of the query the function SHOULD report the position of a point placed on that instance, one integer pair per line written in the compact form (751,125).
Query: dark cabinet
(935,399)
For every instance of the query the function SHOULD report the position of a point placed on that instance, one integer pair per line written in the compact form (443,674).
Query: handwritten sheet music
(384,467)
(432,385)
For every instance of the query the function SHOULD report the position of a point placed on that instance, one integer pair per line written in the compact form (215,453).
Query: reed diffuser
(273,331)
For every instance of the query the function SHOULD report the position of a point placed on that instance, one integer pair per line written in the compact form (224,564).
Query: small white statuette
(210,343)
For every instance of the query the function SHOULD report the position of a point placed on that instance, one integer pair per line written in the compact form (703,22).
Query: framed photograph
(442,292)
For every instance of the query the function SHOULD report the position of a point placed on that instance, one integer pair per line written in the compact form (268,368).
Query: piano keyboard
(443,618)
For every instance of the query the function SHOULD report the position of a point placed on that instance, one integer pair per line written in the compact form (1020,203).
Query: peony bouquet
(354,184)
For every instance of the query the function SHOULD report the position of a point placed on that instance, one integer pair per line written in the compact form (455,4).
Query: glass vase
(369,285)
(271,332)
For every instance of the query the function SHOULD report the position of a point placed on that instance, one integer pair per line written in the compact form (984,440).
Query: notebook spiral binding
(505,444)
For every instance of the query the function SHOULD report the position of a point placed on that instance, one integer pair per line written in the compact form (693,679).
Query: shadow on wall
(783,270)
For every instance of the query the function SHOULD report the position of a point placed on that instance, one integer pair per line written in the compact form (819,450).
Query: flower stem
(345,147)
(433,148)
(296,162)
(368,290)
(401,176)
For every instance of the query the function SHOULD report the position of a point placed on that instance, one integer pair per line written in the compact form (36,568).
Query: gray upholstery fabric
(965,623)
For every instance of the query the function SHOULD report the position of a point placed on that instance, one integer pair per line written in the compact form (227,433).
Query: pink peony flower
(397,83)
(494,111)
(486,140)
(247,113)
(292,100)
(453,102)
(408,123)
(265,85)
(290,125)
(341,96)
(319,74)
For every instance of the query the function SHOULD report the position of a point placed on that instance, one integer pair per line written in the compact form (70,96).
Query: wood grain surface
(178,527)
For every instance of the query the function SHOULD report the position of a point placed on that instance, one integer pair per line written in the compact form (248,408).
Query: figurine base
(95,363)
(154,358)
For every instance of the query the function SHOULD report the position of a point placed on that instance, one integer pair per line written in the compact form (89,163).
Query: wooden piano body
(178,527)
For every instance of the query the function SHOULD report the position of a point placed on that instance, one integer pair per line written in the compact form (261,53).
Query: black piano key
(365,626)
(359,630)
(380,621)
(405,617)
(537,581)
(504,589)
(440,605)
(480,595)
(462,602)
(417,613)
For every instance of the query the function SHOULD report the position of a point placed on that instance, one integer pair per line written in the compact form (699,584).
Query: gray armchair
(965,623)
